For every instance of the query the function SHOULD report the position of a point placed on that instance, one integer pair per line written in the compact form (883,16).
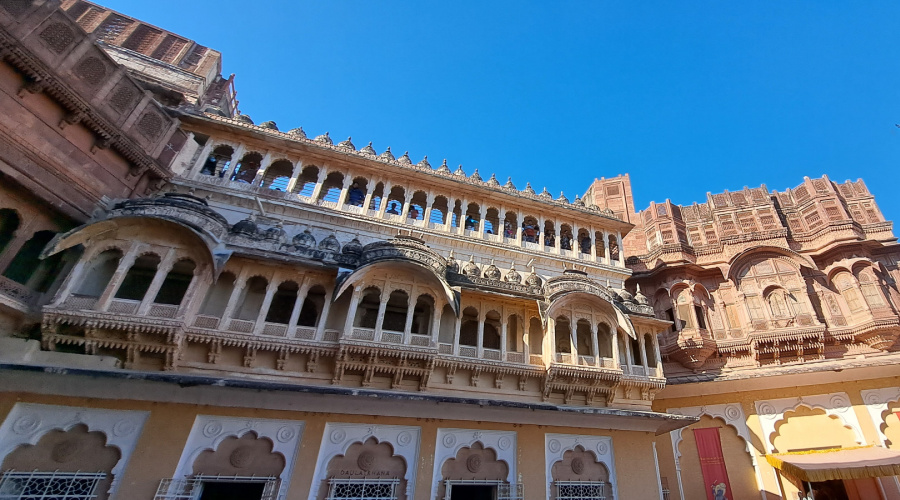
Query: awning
(844,463)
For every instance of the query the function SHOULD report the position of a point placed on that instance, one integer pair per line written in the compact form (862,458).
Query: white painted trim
(556,445)
(27,423)
(877,401)
(450,441)
(337,438)
(658,476)
(209,431)
(733,415)
(836,404)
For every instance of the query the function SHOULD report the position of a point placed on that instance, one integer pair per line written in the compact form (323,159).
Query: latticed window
(201,487)
(582,490)
(362,489)
(50,485)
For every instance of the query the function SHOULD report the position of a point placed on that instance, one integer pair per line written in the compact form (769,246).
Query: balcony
(18,296)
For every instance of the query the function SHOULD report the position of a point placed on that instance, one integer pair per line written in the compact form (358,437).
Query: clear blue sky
(687,97)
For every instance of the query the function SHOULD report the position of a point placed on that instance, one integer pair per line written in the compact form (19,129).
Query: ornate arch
(209,431)
(877,401)
(836,405)
(450,441)
(338,438)
(28,422)
(742,259)
(556,445)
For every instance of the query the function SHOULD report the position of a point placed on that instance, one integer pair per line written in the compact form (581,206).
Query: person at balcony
(565,242)
(508,229)
(530,233)
(392,209)
(471,223)
(356,195)
(586,244)
(413,213)
(550,239)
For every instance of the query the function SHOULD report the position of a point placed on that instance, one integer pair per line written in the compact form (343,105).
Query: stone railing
(18,292)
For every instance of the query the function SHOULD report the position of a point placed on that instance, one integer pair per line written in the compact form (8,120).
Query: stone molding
(877,401)
(450,441)
(556,445)
(209,431)
(337,438)
(27,423)
(836,404)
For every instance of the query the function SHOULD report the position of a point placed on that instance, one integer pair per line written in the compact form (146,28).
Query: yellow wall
(168,427)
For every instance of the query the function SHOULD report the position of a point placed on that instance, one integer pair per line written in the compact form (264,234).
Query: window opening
(50,485)
(138,278)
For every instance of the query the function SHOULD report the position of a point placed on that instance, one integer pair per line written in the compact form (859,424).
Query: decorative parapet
(182,208)
(403,248)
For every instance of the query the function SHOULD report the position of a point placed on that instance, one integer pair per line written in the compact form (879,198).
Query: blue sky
(687,97)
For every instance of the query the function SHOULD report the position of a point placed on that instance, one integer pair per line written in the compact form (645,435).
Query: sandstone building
(196,306)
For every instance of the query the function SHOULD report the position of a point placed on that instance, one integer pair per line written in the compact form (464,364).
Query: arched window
(468,329)
(535,336)
(604,341)
(583,337)
(601,245)
(456,214)
(367,310)
(871,291)
(439,210)
(510,224)
(613,247)
(530,229)
(491,339)
(473,217)
(584,241)
(9,223)
(549,234)
(278,175)
(492,221)
(306,182)
(312,307)
(246,170)
(395,312)
(635,352)
(138,278)
(422,315)
(683,305)
(563,336)
(97,275)
(218,160)
(565,237)
(176,283)
(417,205)
(282,304)
(331,188)
(377,197)
(254,294)
(395,200)
(651,351)
(778,304)
(847,286)
(217,296)
(28,269)
(356,195)
(513,333)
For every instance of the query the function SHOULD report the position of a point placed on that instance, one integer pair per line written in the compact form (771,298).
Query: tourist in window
(356,195)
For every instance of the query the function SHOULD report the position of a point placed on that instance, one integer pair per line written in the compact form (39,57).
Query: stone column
(557,242)
(481,221)
(504,345)
(629,357)
(659,367)
(323,174)
(295,174)
(621,249)
(298,305)
(595,343)
(501,223)
(456,327)
(264,308)
(351,312)
(379,322)
(323,318)
(526,339)
(448,219)
(429,201)
(573,340)
(614,338)
(261,172)
(162,271)
(593,237)
(407,203)
(204,155)
(239,283)
(384,199)
(542,225)
(345,188)
(606,254)
(370,192)
(436,325)
(116,281)
(187,305)
(643,347)
(410,310)
(549,348)
(463,209)
(480,341)
(235,159)
(75,275)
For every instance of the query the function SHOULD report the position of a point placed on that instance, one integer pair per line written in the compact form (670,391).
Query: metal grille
(192,488)
(50,485)
(362,489)
(505,491)
(581,490)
